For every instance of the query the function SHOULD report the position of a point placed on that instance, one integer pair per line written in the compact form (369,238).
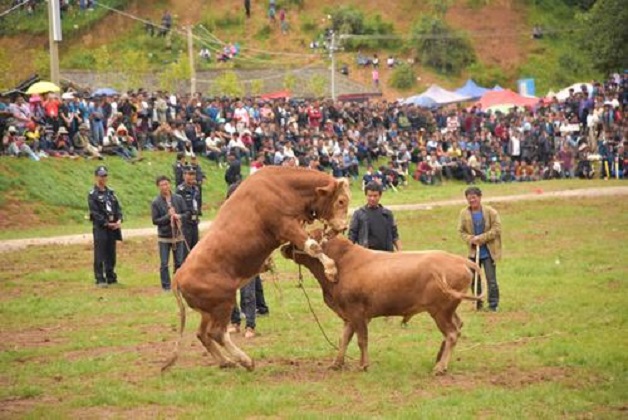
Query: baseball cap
(101,171)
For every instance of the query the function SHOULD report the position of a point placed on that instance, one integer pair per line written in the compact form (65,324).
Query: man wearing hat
(105,213)
(82,144)
(191,194)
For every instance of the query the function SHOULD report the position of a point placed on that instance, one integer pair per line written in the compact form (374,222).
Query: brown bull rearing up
(269,208)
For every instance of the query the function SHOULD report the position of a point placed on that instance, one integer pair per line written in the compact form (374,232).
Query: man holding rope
(168,213)
(480,227)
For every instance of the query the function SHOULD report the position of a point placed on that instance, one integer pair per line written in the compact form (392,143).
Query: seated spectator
(205,54)
(83,145)
(390,62)
(16,146)
(62,146)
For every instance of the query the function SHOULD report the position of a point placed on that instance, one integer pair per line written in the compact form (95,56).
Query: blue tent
(497,88)
(421,101)
(472,90)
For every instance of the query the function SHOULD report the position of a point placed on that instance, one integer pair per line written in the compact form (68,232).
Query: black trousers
(490,271)
(105,256)
(190,233)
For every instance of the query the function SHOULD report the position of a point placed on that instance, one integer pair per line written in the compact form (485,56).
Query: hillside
(499,32)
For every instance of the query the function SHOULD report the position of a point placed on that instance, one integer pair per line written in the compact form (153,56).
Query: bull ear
(326,191)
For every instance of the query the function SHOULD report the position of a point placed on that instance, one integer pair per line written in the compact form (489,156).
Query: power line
(6,12)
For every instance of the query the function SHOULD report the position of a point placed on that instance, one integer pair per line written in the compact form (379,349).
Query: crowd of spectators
(380,140)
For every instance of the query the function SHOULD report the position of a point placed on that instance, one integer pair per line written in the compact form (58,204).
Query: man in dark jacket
(169,212)
(189,190)
(234,171)
(105,213)
(373,226)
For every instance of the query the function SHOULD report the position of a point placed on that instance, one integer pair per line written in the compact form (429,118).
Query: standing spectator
(282,21)
(375,77)
(190,193)
(373,226)
(233,174)
(248,304)
(480,227)
(200,179)
(105,213)
(178,168)
(168,212)
(247,8)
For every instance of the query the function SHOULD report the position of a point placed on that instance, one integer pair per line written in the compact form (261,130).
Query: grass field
(48,197)
(556,349)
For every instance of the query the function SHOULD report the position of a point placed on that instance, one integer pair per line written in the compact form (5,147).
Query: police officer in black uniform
(190,192)
(105,213)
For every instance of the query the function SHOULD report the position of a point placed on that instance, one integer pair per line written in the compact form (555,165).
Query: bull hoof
(364,368)
(249,366)
(439,371)
(335,366)
(227,365)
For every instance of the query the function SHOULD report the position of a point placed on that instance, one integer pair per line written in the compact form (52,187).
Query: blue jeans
(178,252)
(247,304)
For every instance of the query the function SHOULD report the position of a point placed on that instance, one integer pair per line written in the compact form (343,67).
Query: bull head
(333,204)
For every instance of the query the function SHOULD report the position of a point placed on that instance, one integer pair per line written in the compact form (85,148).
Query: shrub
(317,85)
(228,84)
(348,20)
(403,77)
(487,75)
(439,46)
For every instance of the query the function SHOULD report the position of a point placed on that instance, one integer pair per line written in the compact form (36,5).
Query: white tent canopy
(436,96)
(563,94)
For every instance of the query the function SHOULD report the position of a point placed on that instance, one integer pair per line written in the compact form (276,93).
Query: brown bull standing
(373,284)
(269,208)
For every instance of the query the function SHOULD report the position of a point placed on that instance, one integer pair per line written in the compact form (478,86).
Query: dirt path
(16,244)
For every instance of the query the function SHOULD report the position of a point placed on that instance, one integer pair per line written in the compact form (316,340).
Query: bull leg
(237,353)
(217,331)
(361,329)
(347,335)
(445,322)
(294,233)
(210,345)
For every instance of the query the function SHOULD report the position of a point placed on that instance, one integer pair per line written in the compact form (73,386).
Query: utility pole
(54,37)
(191,58)
(332,49)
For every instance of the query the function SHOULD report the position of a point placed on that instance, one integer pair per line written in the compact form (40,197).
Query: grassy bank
(555,350)
(48,197)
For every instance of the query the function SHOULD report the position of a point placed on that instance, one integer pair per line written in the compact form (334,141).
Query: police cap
(101,171)
(189,169)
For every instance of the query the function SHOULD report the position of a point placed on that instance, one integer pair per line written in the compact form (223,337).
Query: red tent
(280,94)
(505,97)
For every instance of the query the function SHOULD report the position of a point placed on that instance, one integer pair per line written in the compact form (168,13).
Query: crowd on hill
(577,137)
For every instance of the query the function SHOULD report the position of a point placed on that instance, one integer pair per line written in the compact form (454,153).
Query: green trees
(605,35)
(439,46)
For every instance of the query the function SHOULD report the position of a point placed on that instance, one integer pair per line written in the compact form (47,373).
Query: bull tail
(465,296)
(177,294)
(474,268)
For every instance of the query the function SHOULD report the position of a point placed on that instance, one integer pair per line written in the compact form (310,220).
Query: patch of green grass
(556,349)
(73,22)
(554,62)
(56,189)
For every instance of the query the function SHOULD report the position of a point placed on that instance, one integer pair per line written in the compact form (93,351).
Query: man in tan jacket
(480,227)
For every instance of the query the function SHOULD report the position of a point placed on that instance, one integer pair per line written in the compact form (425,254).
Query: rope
(309,304)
